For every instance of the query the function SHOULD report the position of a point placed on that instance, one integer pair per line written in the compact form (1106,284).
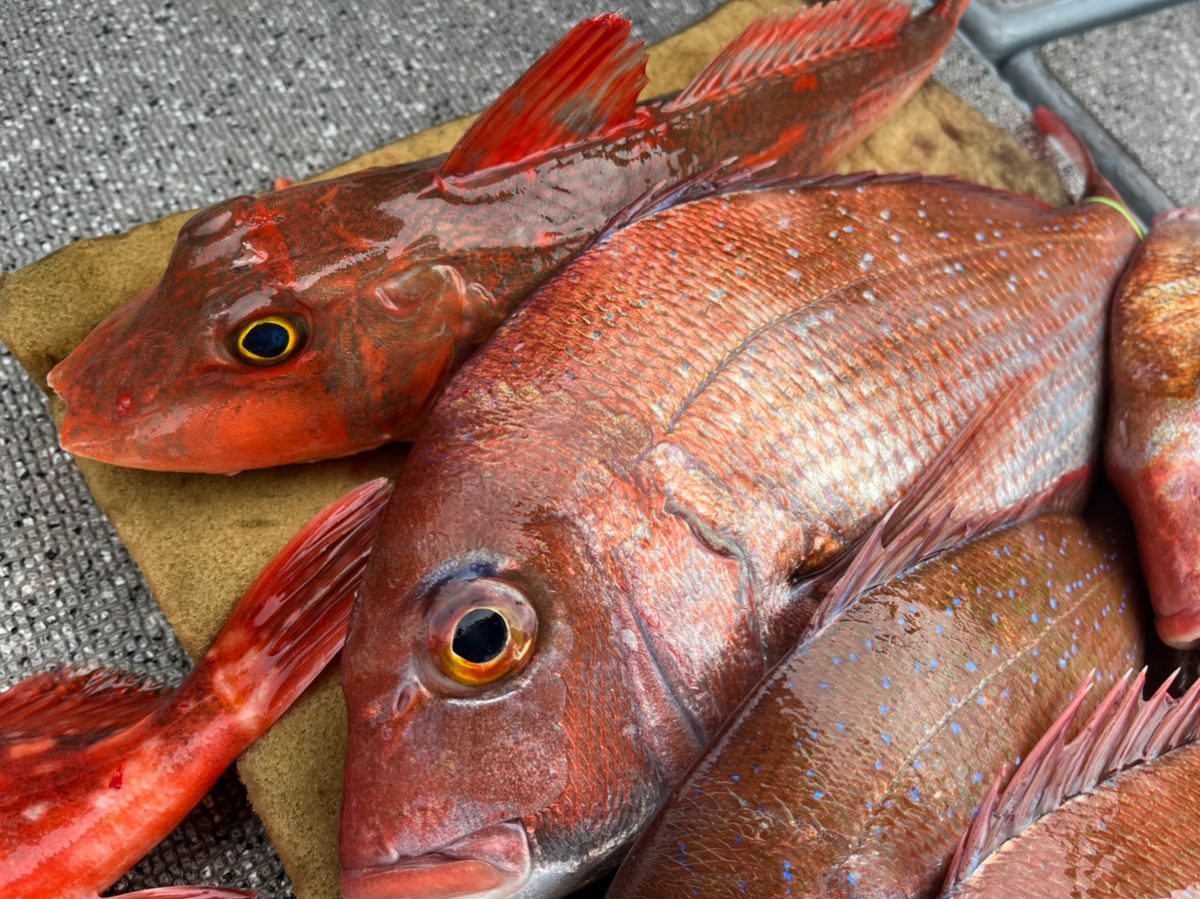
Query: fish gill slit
(728,358)
(940,725)
(721,544)
(695,728)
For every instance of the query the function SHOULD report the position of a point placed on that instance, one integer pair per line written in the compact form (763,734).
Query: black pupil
(480,636)
(266,339)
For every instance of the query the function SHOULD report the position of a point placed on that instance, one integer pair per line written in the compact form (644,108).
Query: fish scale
(982,338)
(651,454)
(854,767)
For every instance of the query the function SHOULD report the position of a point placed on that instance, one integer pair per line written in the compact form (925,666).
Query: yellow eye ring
(269,340)
(481,631)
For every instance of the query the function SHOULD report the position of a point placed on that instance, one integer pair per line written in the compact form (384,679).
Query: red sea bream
(607,532)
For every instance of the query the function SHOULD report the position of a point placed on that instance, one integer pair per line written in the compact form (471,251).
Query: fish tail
(1096,185)
(292,621)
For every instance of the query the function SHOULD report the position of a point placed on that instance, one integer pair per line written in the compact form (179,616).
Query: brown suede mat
(201,539)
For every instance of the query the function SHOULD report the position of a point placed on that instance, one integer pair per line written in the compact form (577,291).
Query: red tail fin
(292,621)
(86,704)
(1055,128)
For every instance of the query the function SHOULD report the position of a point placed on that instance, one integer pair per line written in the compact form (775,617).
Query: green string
(1124,210)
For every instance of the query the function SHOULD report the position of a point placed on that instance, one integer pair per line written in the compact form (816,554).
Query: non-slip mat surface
(70,592)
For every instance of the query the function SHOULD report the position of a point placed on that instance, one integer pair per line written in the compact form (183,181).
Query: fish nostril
(405,697)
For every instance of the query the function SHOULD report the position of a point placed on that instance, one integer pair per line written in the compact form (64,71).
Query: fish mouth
(489,864)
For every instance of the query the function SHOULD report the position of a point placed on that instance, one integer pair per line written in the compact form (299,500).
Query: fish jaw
(490,864)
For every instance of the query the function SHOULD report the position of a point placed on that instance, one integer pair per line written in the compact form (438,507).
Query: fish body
(97,767)
(323,319)
(616,508)
(853,768)
(1152,449)
(1110,813)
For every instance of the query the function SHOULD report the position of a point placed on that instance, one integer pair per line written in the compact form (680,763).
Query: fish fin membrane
(583,87)
(924,521)
(292,621)
(77,704)
(1096,185)
(1123,731)
(186,893)
(780,42)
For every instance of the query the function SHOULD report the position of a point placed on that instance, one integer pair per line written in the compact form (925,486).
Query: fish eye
(269,340)
(480,631)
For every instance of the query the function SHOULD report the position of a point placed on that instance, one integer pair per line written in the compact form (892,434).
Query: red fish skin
(1131,837)
(157,385)
(852,769)
(1152,450)
(78,807)
(653,454)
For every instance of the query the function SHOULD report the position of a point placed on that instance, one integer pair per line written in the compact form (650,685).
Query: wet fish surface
(854,767)
(323,319)
(1152,449)
(607,531)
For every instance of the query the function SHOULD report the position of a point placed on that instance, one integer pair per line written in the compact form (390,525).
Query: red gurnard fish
(600,540)
(97,767)
(1153,444)
(322,320)
(853,768)
(1113,813)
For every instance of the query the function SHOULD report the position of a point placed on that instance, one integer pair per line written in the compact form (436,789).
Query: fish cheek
(462,765)
(614,784)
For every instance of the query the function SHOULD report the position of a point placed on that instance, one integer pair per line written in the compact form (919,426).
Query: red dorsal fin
(781,42)
(1123,731)
(584,86)
(86,704)
(924,521)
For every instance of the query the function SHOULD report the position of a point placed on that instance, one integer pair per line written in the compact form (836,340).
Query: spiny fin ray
(783,41)
(924,521)
(1123,731)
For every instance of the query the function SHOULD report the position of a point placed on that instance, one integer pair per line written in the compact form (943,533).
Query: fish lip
(458,870)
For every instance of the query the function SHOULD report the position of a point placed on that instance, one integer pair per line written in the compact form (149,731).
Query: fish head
(274,336)
(495,745)
(212,368)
